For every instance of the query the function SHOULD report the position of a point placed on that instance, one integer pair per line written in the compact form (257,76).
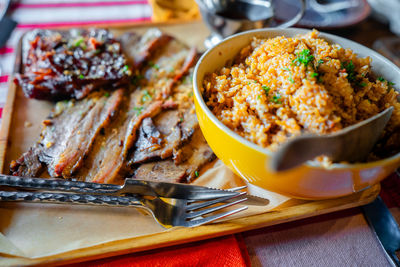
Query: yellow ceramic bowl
(251,161)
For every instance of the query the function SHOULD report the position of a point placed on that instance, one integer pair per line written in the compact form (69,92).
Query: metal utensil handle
(296,18)
(57,184)
(45,197)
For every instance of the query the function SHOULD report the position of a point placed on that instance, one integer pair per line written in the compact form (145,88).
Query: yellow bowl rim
(197,84)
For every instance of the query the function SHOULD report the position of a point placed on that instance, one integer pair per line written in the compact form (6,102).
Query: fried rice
(281,87)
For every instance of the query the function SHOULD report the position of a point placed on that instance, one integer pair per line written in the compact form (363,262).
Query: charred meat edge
(53,137)
(83,136)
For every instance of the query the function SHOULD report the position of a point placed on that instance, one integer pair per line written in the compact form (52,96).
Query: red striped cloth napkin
(60,13)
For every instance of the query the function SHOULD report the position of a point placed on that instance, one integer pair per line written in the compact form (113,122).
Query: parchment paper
(36,230)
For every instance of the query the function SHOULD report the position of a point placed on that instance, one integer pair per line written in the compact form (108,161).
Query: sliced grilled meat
(194,155)
(110,150)
(140,49)
(28,165)
(55,134)
(84,133)
(92,139)
(167,131)
(162,171)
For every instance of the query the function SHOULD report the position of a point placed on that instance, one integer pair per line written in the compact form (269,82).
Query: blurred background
(374,23)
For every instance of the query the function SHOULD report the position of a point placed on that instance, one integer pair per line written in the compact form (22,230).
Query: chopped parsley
(321,61)
(107,94)
(266,89)
(138,110)
(81,76)
(304,57)
(196,173)
(286,68)
(350,69)
(259,96)
(291,79)
(277,99)
(314,74)
(146,96)
(190,94)
(125,68)
(153,65)
(78,42)
(363,84)
(384,80)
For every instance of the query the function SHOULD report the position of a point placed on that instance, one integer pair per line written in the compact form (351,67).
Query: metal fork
(168,212)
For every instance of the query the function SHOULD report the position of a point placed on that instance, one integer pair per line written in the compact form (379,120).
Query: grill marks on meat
(71,64)
(82,137)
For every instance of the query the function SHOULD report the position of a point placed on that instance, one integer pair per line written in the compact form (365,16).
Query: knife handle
(60,198)
(57,185)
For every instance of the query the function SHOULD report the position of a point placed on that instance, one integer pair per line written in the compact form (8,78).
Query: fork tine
(198,222)
(193,215)
(237,188)
(211,202)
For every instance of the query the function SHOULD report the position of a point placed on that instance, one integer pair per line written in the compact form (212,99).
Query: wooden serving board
(21,127)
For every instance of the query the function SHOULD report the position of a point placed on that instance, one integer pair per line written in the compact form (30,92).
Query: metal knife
(131,186)
(385,227)
(7,24)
